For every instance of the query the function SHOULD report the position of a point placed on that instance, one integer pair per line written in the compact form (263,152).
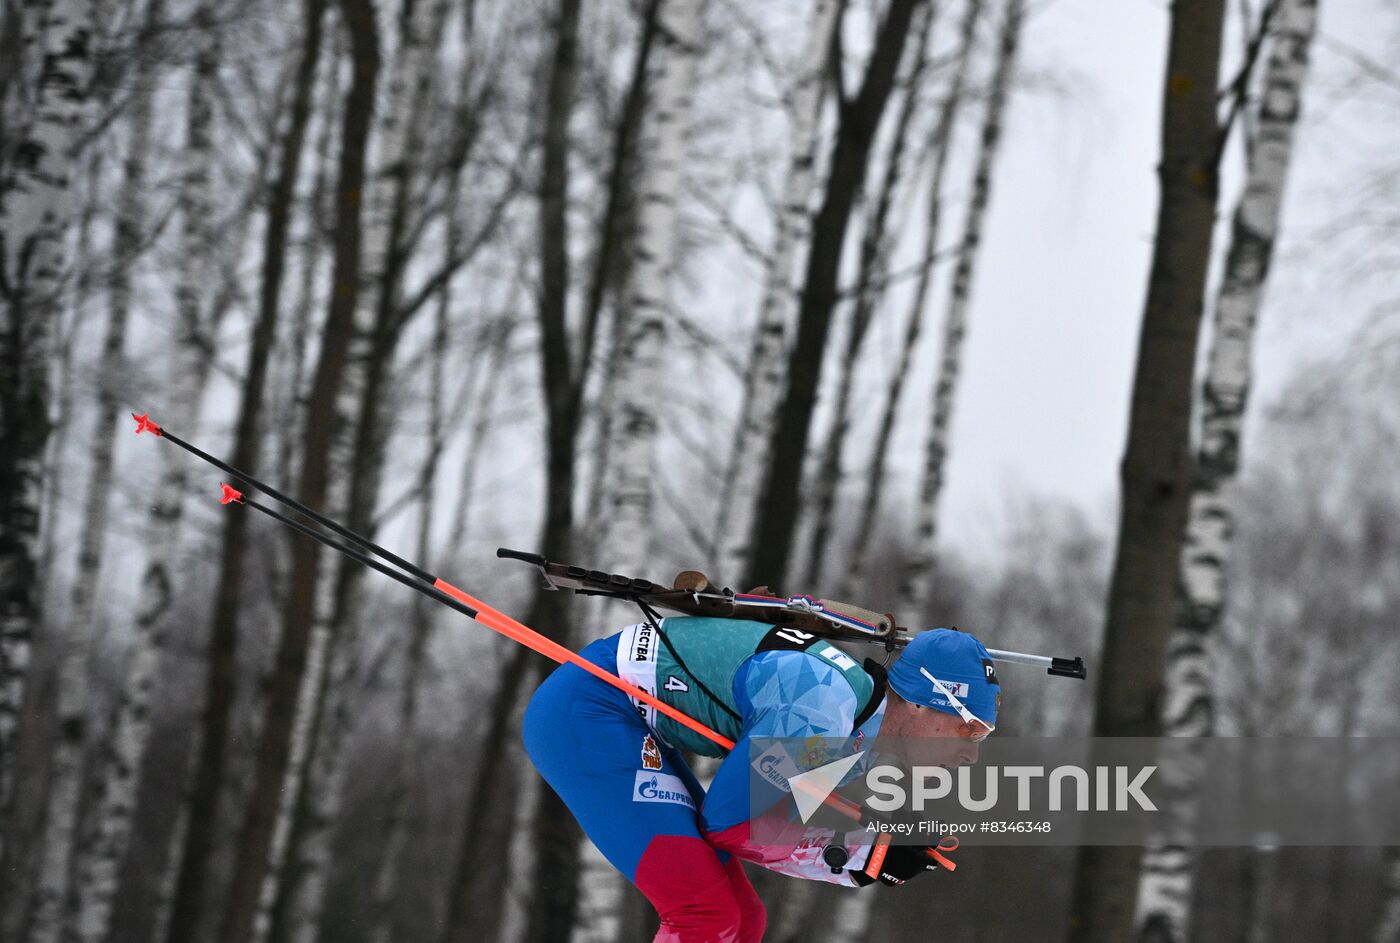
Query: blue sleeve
(779,694)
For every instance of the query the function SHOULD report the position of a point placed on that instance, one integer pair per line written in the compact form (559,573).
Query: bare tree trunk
(294,679)
(631,432)
(771,545)
(119,778)
(318,676)
(474,907)
(1188,708)
(605,268)
(917,578)
(292,349)
(763,384)
(1387,928)
(406,772)
(941,146)
(662,166)
(79,288)
(551,914)
(292,905)
(299,899)
(610,264)
(66,776)
(221,671)
(1262,889)
(34,212)
(875,248)
(1157,465)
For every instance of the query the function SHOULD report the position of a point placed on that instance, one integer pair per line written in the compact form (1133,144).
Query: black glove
(902,863)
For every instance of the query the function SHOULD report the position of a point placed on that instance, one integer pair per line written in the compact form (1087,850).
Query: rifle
(692,593)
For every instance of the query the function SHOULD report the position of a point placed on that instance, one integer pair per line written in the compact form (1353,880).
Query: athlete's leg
(753,917)
(591,748)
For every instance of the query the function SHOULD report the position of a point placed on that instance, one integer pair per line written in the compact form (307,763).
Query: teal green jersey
(694,662)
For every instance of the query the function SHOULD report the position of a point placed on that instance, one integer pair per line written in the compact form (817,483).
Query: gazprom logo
(661,787)
(776,766)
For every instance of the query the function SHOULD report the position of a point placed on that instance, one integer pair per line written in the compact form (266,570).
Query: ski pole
(435,588)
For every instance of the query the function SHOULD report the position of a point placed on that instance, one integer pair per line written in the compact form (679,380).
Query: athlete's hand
(901,863)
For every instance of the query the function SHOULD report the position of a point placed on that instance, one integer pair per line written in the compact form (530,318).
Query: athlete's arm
(780,694)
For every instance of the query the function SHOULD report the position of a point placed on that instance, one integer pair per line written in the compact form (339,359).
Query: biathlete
(617,764)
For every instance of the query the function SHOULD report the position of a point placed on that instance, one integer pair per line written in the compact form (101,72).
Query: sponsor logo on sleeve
(776,767)
(661,787)
(651,753)
(838,658)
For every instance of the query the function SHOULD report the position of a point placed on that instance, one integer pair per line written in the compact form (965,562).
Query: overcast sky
(1060,289)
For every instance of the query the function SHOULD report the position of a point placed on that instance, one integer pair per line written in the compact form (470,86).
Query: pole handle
(534,559)
(1068,668)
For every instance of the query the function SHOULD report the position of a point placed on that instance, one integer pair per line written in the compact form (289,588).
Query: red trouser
(698,898)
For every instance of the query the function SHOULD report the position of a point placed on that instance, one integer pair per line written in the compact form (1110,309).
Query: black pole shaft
(368,561)
(321,519)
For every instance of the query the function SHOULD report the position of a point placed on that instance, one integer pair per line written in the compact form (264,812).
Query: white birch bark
(325,791)
(632,449)
(306,760)
(188,372)
(661,156)
(852,918)
(763,386)
(1165,888)
(940,146)
(917,578)
(195,358)
(78,291)
(34,212)
(308,706)
(600,898)
(877,243)
(65,786)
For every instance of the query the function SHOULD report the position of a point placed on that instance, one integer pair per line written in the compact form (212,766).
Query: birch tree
(940,146)
(610,263)
(859,120)
(1188,707)
(210,758)
(472,909)
(763,384)
(34,212)
(640,368)
(293,903)
(877,242)
(292,690)
(62,800)
(1156,472)
(120,762)
(917,579)
(396,833)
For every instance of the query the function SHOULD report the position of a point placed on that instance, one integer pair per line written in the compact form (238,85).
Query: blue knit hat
(956,659)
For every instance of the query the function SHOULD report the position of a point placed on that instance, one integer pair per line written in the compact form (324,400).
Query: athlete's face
(959,740)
